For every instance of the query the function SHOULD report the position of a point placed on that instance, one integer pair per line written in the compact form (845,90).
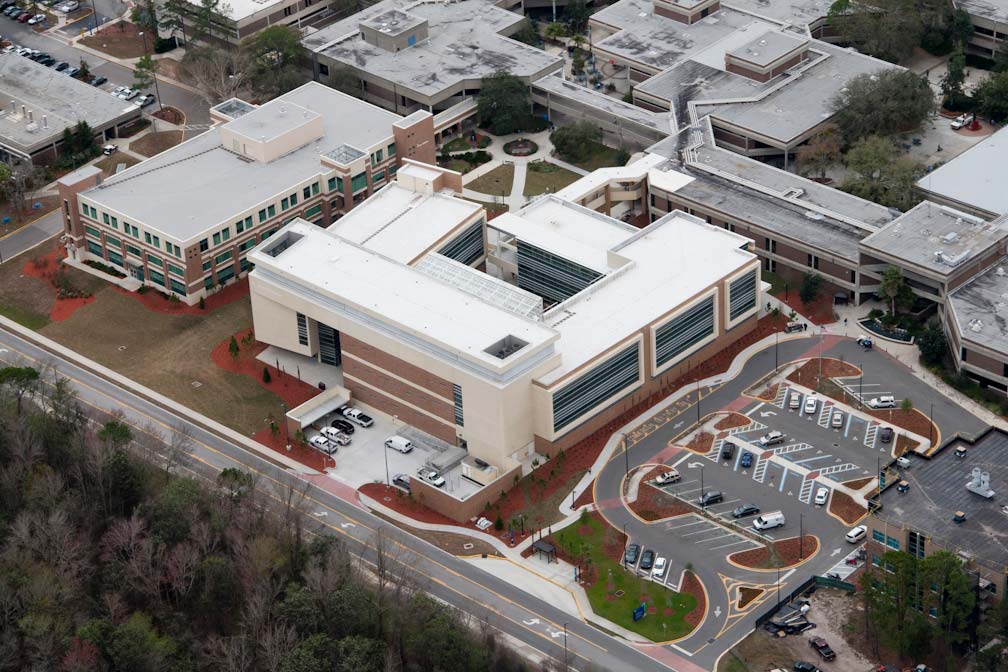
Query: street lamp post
(776,345)
(387,484)
(565,648)
(626,453)
(698,403)
(801,537)
(703,506)
(153,74)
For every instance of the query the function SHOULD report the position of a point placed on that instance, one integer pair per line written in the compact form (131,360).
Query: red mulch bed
(159,303)
(912,420)
(843,506)
(46,269)
(769,393)
(787,552)
(701,443)
(292,391)
(732,420)
(655,504)
(304,454)
(397,500)
(691,584)
(819,311)
(858,483)
(586,497)
(808,373)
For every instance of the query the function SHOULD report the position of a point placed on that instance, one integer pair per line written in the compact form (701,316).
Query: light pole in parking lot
(776,344)
(778,585)
(566,667)
(703,505)
(801,537)
(626,452)
(394,418)
(698,403)
(931,425)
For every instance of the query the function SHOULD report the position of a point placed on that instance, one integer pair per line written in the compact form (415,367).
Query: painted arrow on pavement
(678,425)
(694,465)
(346,525)
(717,611)
(836,551)
(534,621)
(555,633)
(767,414)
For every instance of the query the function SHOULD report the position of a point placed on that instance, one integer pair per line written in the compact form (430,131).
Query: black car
(98,81)
(7,4)
(885,435)
(712,497)
(63,65)
(48,61)
(647,560)
(402,480)
(822,648)
(802,666)
(631,554)
(343,426)
(727,450)
(745,510)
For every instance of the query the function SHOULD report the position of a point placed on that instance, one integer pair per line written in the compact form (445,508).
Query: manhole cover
(468,547)
(121,348)
(620,593)
(197,383)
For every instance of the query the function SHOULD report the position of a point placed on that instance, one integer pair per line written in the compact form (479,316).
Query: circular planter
(521,147)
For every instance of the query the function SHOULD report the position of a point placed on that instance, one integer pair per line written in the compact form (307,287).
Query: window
(332,183)
(323,69)
(115,223)
(285,204)
(239,226)
(314,189)
(893,543)
(245,265)
(172,268)
(207,265)
(306,193)
(378,177)
(94,248)
(287,11)
(392,170)
(771,245)
(391,149)
(105,217)
(876,560)
(94,214)
(597,385)
(178,251)
(376,157)
(147,238)
(115,258)
(222,258)
(247,245)
(878,536)
(271,210)
(135,251)
(84,208)
(208,282)
(684,331)
(742,295)
(204,245)
(177,286)
(135,231)
(156,276)
(549,275)
(457,394)
(915,544)
(216,239)
(262,215)
(358,182)
(155,261)
(112,241)
(467,247)
(157,242)
(225,274)
(248,222)
(226,234)
(312,211)
(91,231)
(813,261)
(294,201)
(302,327)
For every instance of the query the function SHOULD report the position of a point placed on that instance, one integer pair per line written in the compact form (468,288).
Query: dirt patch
(747,595)
(170,68)
(844,507)
(586,497)
(819,311)
(655,504)
(449,542)
(285,385)
(109,163)
(912,420)
(701,443)
(858,483)
(831,610)
(808,373)
(299,451)
(172,115)
(732,420)
(904,444)
(121,39)
(768,393)
(45,204)
(159,302)
(783,553)
(692,586)
(153,144)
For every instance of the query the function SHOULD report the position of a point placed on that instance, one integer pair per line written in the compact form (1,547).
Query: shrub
(875,313)
(202,303)
(266,375)
(499,523)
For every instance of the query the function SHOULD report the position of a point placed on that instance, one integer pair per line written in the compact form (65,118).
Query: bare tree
(278,640)
(180,445)
(230,654)
(20,188)
(218,73)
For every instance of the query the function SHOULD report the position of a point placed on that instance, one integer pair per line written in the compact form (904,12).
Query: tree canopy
(878,172)
(277,58)
(992,97)
(890,29)
(503,104)
(883,103)
(577,142)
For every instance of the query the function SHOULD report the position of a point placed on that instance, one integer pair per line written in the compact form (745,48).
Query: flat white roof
(567,230)
(376,288)
(402,224)
(668,262)
(977,177)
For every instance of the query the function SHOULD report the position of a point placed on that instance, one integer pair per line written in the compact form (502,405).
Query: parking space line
(812,459)
(712,527)
(783,478)
(734,543)
(721,536)
(806,490)
(669,528)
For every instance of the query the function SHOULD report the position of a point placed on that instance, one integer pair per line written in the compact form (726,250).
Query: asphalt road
(56,43)
(538,625)
(694,541)
(30,235)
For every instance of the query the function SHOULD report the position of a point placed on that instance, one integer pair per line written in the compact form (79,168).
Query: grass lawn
(457,165)
(490,207)
(497,182)
(730,663)
(543,177)
(155,143)
(108,164)
(602,156)
(776,282)
(670,607)
(169,353)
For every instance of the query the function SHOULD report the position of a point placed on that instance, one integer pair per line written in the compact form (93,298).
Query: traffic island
(596,549)
(778,554)
(653,503)
(844,507)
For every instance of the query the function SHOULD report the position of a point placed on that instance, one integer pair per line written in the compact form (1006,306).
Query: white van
(399,443)
(768,521)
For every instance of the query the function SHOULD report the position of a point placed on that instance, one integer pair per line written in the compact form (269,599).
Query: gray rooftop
(768,47)
(977,177)
(796,12)
(392,22)
(61,100)
(272,120)
(194,186)
(994,10)
(601,101)
(938,490)
(936,238)
(981,308)
(464,45)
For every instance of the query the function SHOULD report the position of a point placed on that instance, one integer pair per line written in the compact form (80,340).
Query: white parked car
(810,405)
(431,476)
(772,438)
(320,443)
(118,90)
(670,476)
(856,534)
(336,436)
(794,401)
(885,401)
(357,416)
(38,18)
(660,565)
(962,121)
(821,496)
(837,419)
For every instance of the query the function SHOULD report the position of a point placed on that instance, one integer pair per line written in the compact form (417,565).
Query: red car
(24,16)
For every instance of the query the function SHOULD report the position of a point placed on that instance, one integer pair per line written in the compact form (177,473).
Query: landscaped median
(614,593)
